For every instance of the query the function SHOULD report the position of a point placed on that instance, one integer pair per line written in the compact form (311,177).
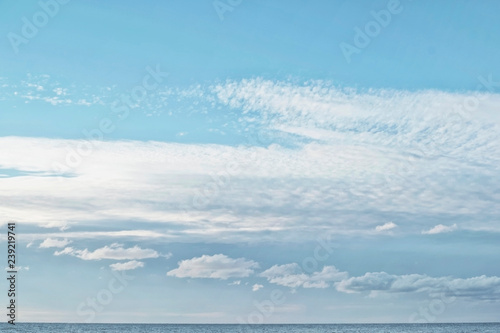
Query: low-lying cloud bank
(292,276)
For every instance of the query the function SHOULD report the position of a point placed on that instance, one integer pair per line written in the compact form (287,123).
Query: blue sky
(230,161)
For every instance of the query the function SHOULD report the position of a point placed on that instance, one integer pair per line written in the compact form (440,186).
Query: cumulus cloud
(218,266)
(129,265)
(114,251)
(439,229)
(257,287)
(67,250)
(386,226)
(369,281)
(50,242)
(291,275)
(374,283)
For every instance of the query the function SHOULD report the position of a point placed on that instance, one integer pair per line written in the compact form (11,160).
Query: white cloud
(60,91)
(369,281)
(68,199)
(386,226)
(129,265)
(480,287)
(257,287)
(292,276)
(50,242)
(376,151)
(114,251)
(235,283)
(67,250)
(218,266)
(167,256)
(141,234)
(440,229)
(376,283)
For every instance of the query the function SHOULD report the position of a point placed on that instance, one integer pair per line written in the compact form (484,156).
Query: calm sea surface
(331,328)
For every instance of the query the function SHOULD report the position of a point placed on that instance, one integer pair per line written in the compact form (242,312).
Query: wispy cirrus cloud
(376,152)
(122,234)
(114,251)
(43,88)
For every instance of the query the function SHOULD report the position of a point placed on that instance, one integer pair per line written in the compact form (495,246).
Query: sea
(271,328)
